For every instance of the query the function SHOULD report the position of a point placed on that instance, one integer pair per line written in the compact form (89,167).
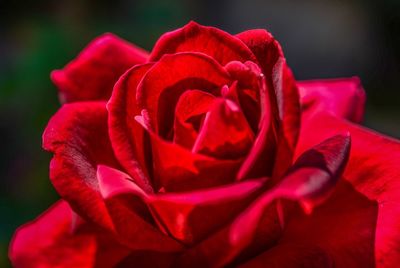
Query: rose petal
(260,160)
(193,37)
(342,97)
(49,242)
(285,107)
(190,109)
(77,135)
(160,88)
(225,132)
(310,178)
(126,203)
(177,169)
(126,135)
(190,217)
(373,170)
(91,76)
(343,228)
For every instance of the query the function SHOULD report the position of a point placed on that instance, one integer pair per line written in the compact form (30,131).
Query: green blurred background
(321,39)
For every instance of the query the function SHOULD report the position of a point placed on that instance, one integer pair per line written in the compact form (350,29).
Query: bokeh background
(321,39)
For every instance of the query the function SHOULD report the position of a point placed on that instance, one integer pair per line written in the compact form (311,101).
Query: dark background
(321,39)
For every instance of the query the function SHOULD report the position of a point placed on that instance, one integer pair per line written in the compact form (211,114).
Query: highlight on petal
(189,115)
(126,135)
(77,135)
(373,171)
(161,87)
(127,206)
(178,169)
(193,37)
(191,216)
(225,132)
(92,75)
(285,108)
(310,180)
(342,97)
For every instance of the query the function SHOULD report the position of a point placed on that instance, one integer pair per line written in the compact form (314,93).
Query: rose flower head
(206,152)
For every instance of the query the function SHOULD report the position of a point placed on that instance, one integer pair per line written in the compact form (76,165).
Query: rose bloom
(206,152)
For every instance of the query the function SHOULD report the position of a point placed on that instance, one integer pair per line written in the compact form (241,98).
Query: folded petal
(77,135)
(161,87)
(49,241)
(342,97)
(91,76)
(258,227)
(190,217)
(225,132)
(373,170)
(127,206)
(283,94)
(126,135)
(178,169)
(189,114)
(208,40)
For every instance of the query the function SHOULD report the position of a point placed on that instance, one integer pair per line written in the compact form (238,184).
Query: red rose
(198,160)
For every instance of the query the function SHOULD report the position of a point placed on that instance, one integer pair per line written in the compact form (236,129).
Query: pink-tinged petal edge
(343,97)
(373,171)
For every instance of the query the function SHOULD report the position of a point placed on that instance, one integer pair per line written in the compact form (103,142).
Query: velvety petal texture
(77,135)
(194,156)
(91,76)
(373,172)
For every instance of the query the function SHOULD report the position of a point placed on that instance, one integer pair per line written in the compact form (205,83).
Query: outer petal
(126,203)
(160,88)
(342,97)
(77,135)
(51,241)
(257,227)
(191,216)
(126,135)
(91,76)
(373,170)
(285,107)
(193,37)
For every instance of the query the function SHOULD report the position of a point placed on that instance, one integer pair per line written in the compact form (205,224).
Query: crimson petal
(208,40)
(285,107)
(126,135)
(178,169)
(191,216)
(190,109)
(160,88)
(91,76)
(126,203)
(78,136)
(310,179)
(342,97)
(225,132)
(49,241)
(373,170)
